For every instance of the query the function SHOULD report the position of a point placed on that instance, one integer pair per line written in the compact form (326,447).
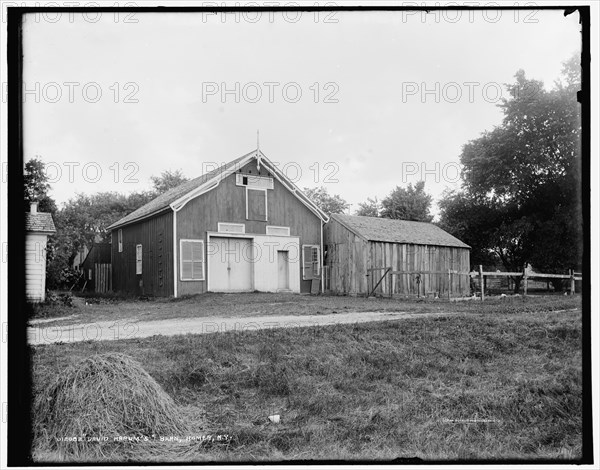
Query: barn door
(230,264)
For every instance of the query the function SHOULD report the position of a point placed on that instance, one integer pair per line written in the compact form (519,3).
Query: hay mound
(104,396)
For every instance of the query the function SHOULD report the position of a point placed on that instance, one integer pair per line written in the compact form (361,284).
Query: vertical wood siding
(349,257)
(227,203)
(156,237)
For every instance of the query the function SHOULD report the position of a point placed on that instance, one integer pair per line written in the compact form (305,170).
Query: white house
(38,225)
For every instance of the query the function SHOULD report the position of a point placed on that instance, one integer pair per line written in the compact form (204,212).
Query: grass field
(505,384)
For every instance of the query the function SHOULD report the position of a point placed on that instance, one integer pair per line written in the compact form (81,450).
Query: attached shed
(96,268)
(38,226)
(241,227)
(409,258)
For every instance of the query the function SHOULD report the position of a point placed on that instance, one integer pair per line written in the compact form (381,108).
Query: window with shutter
(191,260)
(138,259)
(311,262)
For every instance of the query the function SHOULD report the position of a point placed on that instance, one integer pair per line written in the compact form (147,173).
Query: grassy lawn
(95,309)
(501,385)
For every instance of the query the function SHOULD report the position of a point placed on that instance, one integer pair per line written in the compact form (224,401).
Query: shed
(96,268)
(38,226)
(243,226)
(367,255)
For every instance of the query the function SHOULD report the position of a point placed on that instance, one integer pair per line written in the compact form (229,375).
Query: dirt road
(127,329)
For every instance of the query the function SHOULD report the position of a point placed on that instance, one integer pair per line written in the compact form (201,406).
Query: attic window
(245,181)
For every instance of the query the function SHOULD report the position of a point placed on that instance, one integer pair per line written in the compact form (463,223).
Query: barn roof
(39,222)
(398,231)
(163,201)
(178,195)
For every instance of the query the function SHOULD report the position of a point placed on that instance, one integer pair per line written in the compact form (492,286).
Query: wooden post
(525,280)
(481,282)
(572,272)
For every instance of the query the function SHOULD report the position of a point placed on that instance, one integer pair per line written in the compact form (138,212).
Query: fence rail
(525,275)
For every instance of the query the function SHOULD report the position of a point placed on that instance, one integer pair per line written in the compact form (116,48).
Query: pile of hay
(104,396)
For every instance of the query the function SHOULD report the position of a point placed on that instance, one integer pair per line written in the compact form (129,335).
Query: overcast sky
(358,102)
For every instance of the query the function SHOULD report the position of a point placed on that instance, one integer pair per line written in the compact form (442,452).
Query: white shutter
(192,260)
(138,259)
(197,261)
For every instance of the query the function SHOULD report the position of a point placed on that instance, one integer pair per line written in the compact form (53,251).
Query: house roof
(39,222)
(163,201)
(398,231)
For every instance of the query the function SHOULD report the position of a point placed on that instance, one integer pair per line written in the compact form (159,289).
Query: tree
(525,177)
(167,180)
(327,203)
(36,185)
(410,203)
(371,208)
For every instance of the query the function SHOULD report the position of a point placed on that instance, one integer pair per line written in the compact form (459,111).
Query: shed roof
(39,222)
(398,231)
(163,201)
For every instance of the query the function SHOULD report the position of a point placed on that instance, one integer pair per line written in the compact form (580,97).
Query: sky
(358,102)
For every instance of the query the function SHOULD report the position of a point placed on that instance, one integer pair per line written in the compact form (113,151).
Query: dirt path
(124,329)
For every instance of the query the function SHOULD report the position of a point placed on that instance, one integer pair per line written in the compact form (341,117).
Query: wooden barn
(242,227)
(96,268)
(38,226)
(377,256)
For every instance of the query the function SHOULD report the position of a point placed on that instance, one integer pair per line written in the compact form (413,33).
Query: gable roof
(398,231)
(39,222)
(175,197)
(164,201)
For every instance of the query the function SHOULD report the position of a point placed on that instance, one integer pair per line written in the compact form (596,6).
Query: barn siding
(227,203)
(349,257)
(156,237)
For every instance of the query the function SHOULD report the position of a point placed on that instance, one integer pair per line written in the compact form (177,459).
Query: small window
(138,259)
(311,262)
(191,260)
(90,274)
(120,240)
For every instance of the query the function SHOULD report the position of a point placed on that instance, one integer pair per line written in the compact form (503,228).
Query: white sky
(380,133)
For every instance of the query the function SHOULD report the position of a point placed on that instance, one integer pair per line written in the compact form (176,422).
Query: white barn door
(230,264)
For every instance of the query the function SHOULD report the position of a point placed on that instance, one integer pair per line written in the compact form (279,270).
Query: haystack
(104,397)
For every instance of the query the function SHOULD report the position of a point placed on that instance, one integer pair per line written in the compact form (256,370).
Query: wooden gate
(103,277)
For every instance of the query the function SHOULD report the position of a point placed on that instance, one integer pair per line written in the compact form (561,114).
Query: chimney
(33,207)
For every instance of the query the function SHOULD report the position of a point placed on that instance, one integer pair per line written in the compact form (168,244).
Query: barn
(372,255)
(243,226)
(38,226)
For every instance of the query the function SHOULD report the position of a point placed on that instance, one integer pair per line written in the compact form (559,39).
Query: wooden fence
(526,275)
(447,284)
(103,277)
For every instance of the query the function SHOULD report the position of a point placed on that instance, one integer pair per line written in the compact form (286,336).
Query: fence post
(572,272)
(525,280)
(481,282)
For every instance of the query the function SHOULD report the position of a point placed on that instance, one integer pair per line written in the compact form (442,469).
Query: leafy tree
(524,177)
(330,204)
(371,208)
(167,180)
(36,185)
(410,203)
